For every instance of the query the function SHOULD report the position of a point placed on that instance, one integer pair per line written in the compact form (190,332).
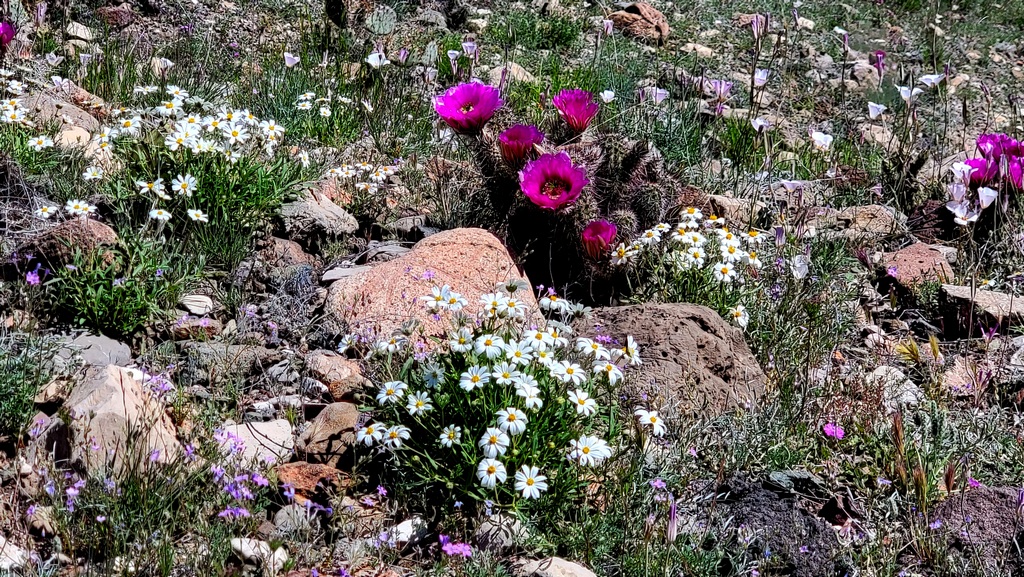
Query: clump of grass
(120,290)
(26,366)
(533,31)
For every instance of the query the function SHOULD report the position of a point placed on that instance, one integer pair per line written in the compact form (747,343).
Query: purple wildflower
(7,34)
(833,430)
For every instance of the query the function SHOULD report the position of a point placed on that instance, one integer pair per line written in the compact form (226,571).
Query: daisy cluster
(176,117)
(10,84)
(503,397)
(12,111)
(368,178)
(697,243)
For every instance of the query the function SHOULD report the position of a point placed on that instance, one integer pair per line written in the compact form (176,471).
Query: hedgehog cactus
(626,186)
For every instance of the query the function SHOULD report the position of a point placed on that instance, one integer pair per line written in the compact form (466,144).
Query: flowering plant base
(507,412)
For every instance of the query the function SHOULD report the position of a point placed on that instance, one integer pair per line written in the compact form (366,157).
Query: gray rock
(98,350)
(264,442)
(432,18)
(500,534)
(12,557)
(553,567)
(197,304)
(315,217)
(898,391)
(294,518)
(79,31)
(256,552)
(114,413)
(385,251)
(282,372)
(409,532)
(339,272)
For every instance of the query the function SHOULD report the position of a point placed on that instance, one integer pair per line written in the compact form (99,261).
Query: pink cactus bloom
(598,237)
(468,107)
(577,107)
(833,430)
(517,142)
(552,181)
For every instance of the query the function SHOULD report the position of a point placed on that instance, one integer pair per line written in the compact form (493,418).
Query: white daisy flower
(391,391)
(491,346)
(494,442)
(394,436)
(451,435)
(93,173)
(79,208)
(490,472)
(198,215)
(160,214)
(512,421)
(370,433)
(462,341)
(184,185)
(530,482)
(418,403)
(474,378)
(45,212)
(585,405)
(740,316)
(589,451)
(40,142)
(650,419)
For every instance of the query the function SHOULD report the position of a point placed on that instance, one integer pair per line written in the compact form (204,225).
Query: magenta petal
(1015,172)
(7,33)
(517,142)
(466,108)
(552,181)
(598,237)
(984,170)
(577,107)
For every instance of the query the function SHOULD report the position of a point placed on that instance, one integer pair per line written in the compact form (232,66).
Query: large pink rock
(918,263)
(117,424)
(383,297)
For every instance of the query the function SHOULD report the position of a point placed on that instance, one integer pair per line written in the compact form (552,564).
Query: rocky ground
(190,378)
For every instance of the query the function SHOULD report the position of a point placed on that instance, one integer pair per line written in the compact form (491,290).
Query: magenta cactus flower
(517,142)
(833,430)
(552,181)
(468,107)
(598,238)
(7,34)
(577,107)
